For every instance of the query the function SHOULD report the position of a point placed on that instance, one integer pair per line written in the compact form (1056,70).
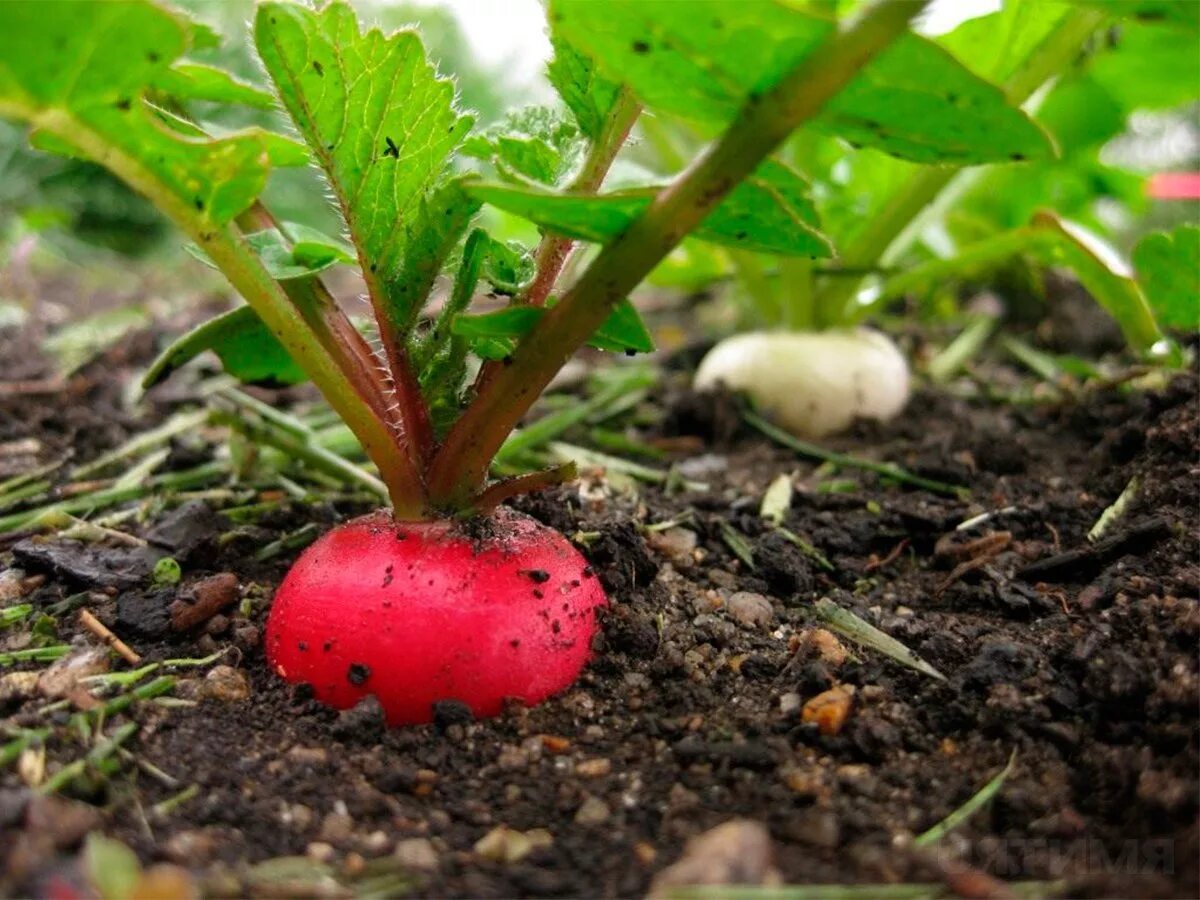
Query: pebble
(507,845)
(336,828)
(789,703)
(751,610)
(17,686)
(365,722)
(676,544)
(736,852)
(830,709)
(308,756)
(226,685)
(319,851)
(593,768)
(593,811)
(418,854)
(190,847)
(822,644)
(201,601)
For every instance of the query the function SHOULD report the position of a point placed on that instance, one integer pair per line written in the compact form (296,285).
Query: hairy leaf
(306,258)
(1168,267)
(494,335)
(78,73)
(245,346)
(193,81)
(534,143)
(769,212)
(702,61)
(588,94)
(382,124)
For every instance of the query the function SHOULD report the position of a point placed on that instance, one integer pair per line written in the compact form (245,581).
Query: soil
(1075,659)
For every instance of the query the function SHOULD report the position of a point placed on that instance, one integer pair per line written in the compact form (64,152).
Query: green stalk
(890,230)
(229,251)
(553,250)
(460,468)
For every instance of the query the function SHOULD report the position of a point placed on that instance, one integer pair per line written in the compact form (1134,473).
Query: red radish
(417,612)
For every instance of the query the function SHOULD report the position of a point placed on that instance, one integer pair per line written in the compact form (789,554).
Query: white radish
(811,384)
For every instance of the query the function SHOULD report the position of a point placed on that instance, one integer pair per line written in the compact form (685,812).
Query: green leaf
(1168,267)
(995,45)
(382,125)
(588,95)
(111,867)
(1105,276)
(508,267)
(245,346)
(493,335)
(534,143)
(1176,13)
(307,258)
(702,61)
(193,81)
(1150,68)
(64,72)
(769,212)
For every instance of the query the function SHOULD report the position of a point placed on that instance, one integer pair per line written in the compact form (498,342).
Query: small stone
(247,637)
(375,842)
(319,851)
(308,756)
(830,709)
(336,828)
(507,845)
(593,768)
(676,544)
(190,848)
(417,854)
(593,811)
(16,687)
(555,745)
(512,759)
(226,685)
(750,610)
(201,601)
(789,703)
(823,645)
(737,852)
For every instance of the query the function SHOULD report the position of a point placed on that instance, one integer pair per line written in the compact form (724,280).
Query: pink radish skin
(418,612)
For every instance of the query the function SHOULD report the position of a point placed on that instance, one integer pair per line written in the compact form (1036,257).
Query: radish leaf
(245,346)
(535,143)
(703,61)
(769,212)
(588,95)
(381,124)
(1168,267)
(192,81)
(94,108)
(492,335)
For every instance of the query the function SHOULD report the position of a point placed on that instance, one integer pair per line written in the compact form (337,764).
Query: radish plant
(1080,69)
(448,595)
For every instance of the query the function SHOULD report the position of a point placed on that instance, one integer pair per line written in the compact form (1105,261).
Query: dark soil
(1078,657)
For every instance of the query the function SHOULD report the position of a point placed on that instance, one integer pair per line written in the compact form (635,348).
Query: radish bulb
(811,384)
(419,612)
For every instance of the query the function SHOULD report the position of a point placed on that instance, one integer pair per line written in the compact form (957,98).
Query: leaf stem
(554,249)
(765,120)
(229,251)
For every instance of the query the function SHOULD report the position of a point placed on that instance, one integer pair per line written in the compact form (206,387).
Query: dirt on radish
(1078,657)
